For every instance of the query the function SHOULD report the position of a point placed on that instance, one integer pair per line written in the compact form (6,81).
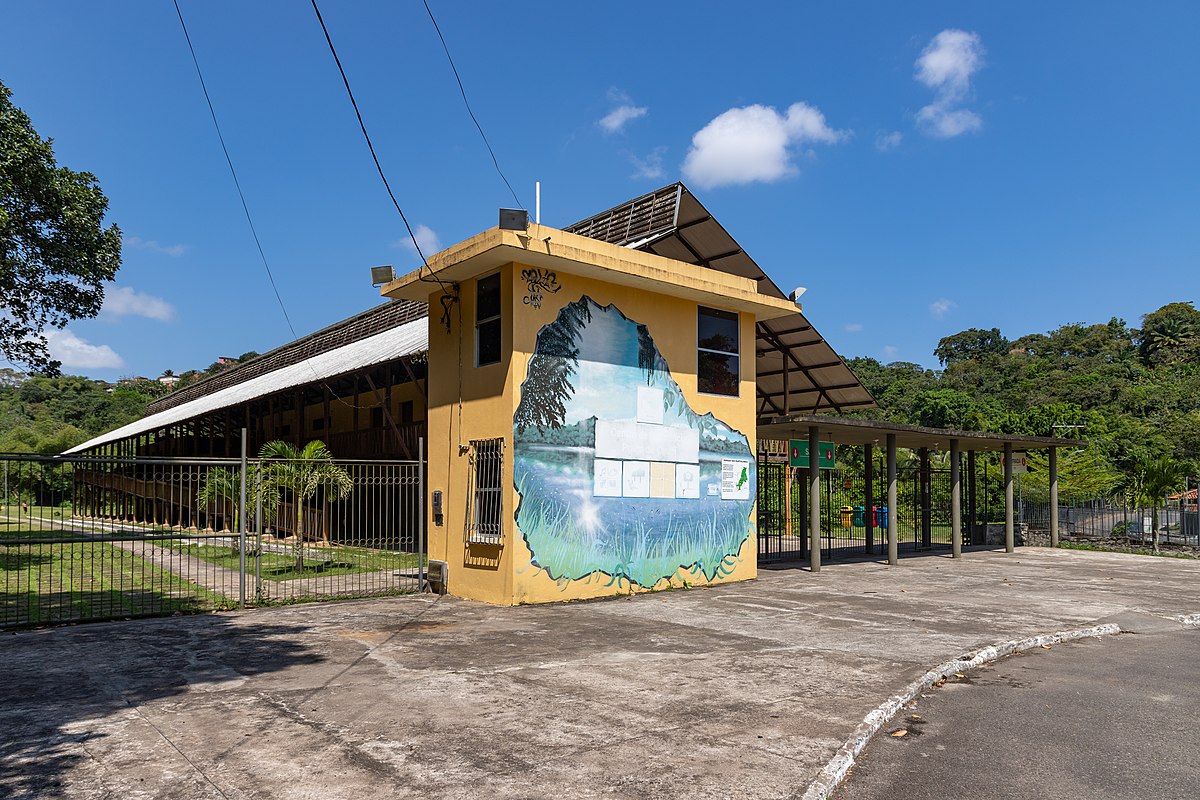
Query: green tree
(223,489)
(1170,334)
(306,474)
(55,253)
(1151,483)
(969,344)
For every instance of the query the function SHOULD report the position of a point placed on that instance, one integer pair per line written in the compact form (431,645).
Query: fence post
(1054,497)
(258,596)
(422,561)
(242,528)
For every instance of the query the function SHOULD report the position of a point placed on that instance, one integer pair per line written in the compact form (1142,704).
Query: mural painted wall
(616,475)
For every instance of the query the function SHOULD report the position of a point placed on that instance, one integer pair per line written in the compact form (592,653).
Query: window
(487,320)
(406,412)
(377,417)
(485,518)
(318,423)
(717,352)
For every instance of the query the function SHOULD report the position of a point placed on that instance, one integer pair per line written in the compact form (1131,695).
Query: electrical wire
(467,103)
(246,208)
(233,171)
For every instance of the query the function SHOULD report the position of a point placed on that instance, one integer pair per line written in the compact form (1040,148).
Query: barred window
(485,519)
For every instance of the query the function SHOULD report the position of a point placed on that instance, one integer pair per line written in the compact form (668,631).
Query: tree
(1151,483)
(55,253)
(970,344)
(222,490)
(305,473)
(1169,334)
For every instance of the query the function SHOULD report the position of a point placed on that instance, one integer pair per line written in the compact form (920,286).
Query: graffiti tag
(541,282)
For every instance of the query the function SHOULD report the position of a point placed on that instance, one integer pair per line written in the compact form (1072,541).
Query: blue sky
(921,168)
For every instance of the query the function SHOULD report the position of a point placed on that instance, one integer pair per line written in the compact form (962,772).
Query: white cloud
(854,327)
(426,238)
(137,242)
(72,351)
(124,301)
(940,307)
(888,140)
(749,144)
(649,167)
(889,351)
(946,65)
(624,112)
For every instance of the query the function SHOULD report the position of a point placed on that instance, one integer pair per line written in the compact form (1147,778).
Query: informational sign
(798,454)
(1020,462)
(735,479)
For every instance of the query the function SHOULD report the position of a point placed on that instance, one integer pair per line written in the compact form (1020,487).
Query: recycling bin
(847,515)
(860,517)
(881,517)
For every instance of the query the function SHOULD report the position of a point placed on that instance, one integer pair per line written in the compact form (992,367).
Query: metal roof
(852,430)
(797,369)
(389,345)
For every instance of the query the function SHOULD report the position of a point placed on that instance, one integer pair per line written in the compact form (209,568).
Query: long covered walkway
(785,443)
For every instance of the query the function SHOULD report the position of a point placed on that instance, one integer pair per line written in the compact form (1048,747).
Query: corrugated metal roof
(671,222)
(391,344)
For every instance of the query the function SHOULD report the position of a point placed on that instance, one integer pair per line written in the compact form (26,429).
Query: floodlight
(382,275)
(514,219)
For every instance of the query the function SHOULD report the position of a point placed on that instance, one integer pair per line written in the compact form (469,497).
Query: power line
(467,103)
(449,293)
(233,171)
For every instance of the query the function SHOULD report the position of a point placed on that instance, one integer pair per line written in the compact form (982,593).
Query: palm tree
(223,486)
(1152,481)
(304,473)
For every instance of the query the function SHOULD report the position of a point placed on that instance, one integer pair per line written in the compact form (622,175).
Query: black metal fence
(90,539)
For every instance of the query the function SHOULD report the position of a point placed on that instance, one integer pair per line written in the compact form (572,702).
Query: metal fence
(1103,519)
(91,539)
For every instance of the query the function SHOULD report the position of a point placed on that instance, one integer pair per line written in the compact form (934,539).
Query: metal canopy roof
(849,430)
(797,369)
(388,345)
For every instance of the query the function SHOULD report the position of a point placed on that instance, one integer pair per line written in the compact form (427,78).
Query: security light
(382,275)
(795,295)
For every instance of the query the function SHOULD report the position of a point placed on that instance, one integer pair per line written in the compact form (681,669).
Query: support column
(1054,497)
(893,549)
(814,498)
(1008,498)
(955,501)
(869,496)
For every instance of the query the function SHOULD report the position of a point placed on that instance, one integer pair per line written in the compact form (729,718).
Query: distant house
(169,380)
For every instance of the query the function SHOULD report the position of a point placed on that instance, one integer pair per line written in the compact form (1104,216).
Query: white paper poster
(607,478)
(735,479)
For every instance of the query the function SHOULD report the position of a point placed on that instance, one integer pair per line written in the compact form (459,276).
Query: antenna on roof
(537,202)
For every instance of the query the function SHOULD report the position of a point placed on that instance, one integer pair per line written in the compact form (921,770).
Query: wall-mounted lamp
(382,275)
(514,219)
(796,293)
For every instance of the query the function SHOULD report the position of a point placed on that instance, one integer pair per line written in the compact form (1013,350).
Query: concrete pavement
(744,691)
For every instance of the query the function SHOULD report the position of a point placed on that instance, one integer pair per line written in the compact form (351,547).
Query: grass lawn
(79,580)
(278,563)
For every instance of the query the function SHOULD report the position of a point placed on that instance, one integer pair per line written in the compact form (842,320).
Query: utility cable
(233,171)
(246,208)
(467,103)
(449,293)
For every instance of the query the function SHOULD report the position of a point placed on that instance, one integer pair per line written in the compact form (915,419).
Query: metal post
(869,496)
(893,548)
(258,595)
(814,498)
(1008,498)
(955,501)
(926,493)
(1054,497)
(972,490)
(242,529)
(422,561)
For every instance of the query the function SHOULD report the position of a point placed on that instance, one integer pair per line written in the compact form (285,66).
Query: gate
(102,538)
(922,502)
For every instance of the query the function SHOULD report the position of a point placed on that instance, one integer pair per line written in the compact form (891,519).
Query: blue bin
(881,516)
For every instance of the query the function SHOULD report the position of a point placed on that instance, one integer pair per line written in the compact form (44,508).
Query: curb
(1189,620)
(835,771)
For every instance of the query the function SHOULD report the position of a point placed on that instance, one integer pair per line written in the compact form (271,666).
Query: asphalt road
(1096,719)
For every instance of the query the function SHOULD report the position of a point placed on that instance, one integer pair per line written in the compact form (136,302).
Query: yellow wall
(489,398)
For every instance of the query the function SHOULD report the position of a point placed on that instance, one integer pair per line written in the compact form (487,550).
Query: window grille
(485,518)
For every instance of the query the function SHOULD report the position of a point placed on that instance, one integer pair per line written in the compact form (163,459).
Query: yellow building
(593,396)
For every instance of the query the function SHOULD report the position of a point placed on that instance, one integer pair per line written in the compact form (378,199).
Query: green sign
(798,454)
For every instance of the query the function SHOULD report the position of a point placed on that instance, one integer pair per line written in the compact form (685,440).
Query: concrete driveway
(739,691)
